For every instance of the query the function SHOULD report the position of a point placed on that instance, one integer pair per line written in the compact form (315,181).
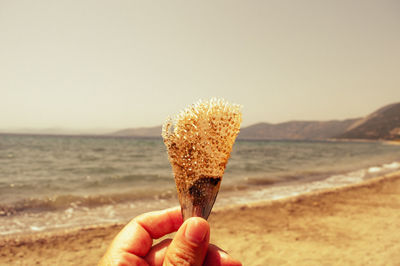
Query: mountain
(296,130)
(143,132)
(54,131)
(309,130)
(381,124)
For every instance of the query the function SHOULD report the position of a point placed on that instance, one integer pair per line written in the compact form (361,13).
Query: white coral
(200,139)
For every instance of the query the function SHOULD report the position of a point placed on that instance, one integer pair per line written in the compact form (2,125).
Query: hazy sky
(117,64)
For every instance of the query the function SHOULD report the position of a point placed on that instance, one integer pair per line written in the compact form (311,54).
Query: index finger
(137,236)
(160,223)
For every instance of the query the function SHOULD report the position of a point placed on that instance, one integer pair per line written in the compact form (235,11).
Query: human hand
(190,246)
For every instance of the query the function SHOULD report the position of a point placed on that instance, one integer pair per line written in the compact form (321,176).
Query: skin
(190,246)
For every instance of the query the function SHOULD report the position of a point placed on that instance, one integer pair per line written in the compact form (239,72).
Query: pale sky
(119,64)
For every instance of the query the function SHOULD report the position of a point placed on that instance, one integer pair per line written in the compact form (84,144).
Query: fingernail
(226,257)
(223,254)
(196,230)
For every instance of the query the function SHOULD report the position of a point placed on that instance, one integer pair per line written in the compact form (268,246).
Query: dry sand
(355,225)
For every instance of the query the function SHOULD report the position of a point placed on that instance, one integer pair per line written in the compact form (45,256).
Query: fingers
(189,246)
(133,239)
(218,257)
(215,256)
(160,223)
(156,255)
(121,258)
(137,236)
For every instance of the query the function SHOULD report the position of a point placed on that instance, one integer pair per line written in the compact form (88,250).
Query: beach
(52,183)
(278,122)
(357,224)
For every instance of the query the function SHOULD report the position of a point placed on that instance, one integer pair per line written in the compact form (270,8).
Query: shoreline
(383,141)
(331,226)
(273,189)
(392,142)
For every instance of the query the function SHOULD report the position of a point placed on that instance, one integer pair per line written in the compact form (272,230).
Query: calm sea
(50,182)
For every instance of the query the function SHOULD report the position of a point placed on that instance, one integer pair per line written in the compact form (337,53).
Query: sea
(57,182)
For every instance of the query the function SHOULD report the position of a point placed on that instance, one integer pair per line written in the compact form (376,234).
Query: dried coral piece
(199,142)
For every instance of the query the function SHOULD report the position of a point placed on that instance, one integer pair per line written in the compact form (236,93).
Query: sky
(119,64)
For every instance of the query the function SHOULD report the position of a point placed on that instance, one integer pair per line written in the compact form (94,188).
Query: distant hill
(308,130)
(296,130)
(143,132)
(54,131)
(381,124)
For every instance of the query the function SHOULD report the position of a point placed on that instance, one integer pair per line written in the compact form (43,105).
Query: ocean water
(51,182)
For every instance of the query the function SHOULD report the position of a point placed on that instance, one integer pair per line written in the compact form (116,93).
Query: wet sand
(354,225)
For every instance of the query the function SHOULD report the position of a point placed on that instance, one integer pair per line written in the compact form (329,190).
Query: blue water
(49,182)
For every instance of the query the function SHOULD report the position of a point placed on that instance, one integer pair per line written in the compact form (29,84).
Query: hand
(190,246)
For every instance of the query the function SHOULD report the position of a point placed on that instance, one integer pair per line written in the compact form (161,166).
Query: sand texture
(355,225)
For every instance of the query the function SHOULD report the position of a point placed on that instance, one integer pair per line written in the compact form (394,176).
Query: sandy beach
(354,225)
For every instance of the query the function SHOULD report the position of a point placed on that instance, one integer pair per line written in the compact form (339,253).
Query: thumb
(190,244)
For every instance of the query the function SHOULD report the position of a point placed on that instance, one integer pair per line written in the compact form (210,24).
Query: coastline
(393,142)
(390,142)
(350,225)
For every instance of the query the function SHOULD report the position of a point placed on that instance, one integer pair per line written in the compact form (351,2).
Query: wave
(62,202)
(88,181)
(330,176)
(135,177)
(303,175)
(161,192)
(66,201)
